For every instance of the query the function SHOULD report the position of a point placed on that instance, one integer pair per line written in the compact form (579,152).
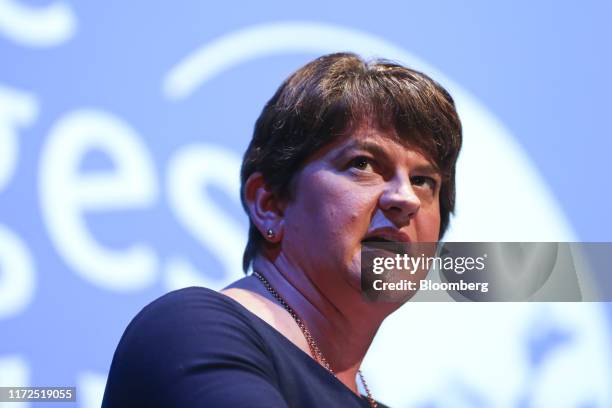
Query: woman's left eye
(362,163)
(424,181)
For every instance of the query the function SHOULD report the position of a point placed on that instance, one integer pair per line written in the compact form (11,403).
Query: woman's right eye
(362,163)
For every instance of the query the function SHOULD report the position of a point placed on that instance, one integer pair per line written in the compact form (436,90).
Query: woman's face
(362,186)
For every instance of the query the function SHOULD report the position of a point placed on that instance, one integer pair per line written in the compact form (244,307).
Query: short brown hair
(331,96)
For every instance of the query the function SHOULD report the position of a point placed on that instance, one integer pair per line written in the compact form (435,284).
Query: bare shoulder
(248,292)
(253,302)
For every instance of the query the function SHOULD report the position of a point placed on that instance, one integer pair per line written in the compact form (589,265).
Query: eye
(362,163)
(424,181)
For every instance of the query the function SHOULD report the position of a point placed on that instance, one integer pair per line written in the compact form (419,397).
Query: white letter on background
(66,195)
(37,26)
(17,281)
(17,109)
(189,172)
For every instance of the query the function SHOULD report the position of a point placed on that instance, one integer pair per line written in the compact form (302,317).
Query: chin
(353,274)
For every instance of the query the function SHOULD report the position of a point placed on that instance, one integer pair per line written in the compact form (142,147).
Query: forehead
(385,143)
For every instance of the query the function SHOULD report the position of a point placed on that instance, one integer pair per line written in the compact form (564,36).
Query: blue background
(542,68)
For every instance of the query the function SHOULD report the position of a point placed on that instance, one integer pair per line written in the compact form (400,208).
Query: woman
(344,152)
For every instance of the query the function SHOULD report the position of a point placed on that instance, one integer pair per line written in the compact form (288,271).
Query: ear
(265,208)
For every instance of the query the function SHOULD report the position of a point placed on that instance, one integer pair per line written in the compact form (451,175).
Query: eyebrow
(428,169)
(368,146)
(376,149)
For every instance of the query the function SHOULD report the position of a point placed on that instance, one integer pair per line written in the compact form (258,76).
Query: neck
(341,322)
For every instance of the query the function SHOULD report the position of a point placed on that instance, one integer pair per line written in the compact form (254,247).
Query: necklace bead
(312,344)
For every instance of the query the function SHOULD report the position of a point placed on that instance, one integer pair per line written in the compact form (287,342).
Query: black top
(195,347)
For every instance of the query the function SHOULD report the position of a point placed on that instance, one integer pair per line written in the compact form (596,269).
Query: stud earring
(270,233)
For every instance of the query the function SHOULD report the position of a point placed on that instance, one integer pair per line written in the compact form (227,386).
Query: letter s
(189,171)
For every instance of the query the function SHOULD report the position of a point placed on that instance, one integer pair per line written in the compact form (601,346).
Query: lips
(387,235)
(376,239)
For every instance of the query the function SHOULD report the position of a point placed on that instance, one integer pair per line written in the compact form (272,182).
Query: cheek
(335,208)
(428,224)
(350,209)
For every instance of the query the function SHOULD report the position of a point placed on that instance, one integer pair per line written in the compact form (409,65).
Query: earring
(270,233)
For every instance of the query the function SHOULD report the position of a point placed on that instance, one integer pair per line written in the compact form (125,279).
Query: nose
(399,201)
